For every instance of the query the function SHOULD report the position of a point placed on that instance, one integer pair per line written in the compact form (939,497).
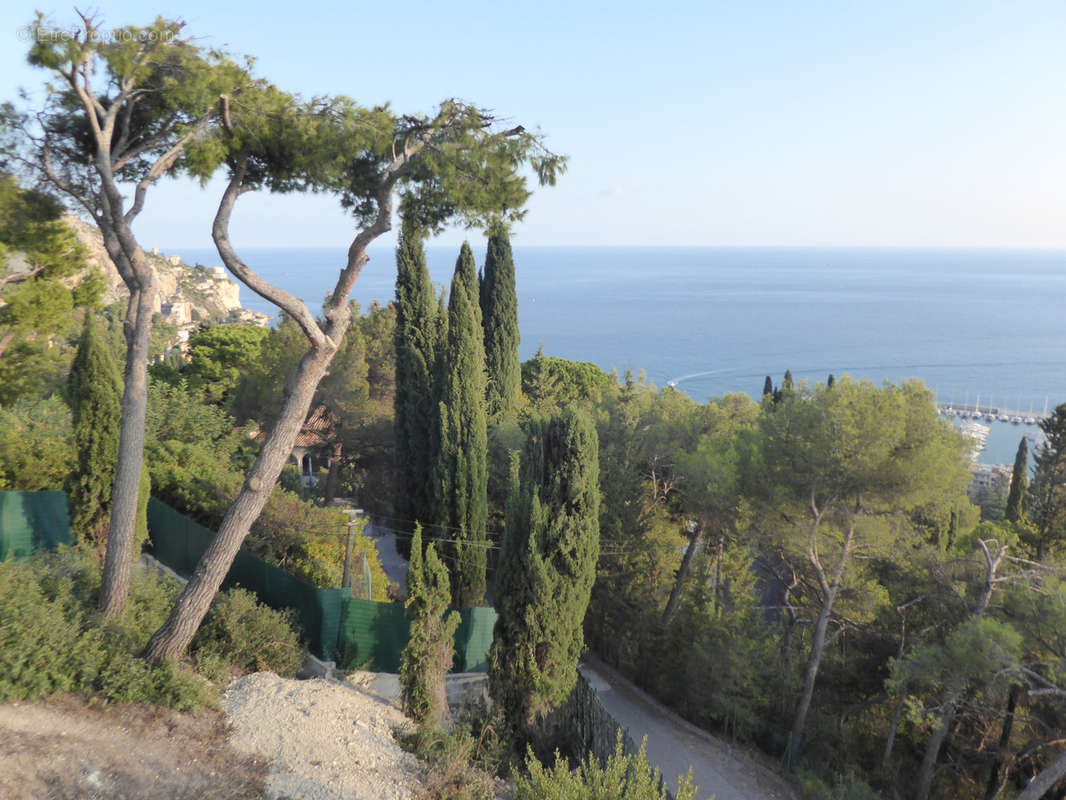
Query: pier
(991,414)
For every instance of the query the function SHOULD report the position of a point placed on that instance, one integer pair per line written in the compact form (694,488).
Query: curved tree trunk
(125,494)
(830,589)
(171,640)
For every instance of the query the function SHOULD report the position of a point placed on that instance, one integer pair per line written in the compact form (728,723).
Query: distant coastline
(718,320)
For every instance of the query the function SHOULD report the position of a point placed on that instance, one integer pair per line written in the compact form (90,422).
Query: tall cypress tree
(1047,494)
(460,477)
(767,387)
(415,407)
(1019,483)
(546,571)
(499,303)
(95,391)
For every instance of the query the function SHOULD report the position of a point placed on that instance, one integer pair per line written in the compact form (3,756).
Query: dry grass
(67,749)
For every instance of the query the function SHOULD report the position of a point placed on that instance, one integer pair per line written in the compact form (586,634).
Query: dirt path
(68,750)
(674,744)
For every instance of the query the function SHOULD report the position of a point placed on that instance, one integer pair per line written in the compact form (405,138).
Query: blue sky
(758,123)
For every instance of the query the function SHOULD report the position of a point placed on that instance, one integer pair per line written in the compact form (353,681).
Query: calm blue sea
(985,326)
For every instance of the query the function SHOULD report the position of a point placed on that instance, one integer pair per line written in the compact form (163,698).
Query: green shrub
(240,633)
(52,639)
(624,777)
(456,768)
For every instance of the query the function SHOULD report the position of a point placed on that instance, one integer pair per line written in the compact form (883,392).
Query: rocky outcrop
(186,296)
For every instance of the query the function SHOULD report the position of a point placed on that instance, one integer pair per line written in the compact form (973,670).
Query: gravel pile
(327,740)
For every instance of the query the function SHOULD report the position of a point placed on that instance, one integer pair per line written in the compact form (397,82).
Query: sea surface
(981,327)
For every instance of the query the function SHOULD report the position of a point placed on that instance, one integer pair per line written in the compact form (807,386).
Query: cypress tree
(428,655)
(767,387)
(1047,494)
(787,384)
(95,391)
(1019,483)
(499,303)
(829,383)
(547,568)
(460,477)
(416,352)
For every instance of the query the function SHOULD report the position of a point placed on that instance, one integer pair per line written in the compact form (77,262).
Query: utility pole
(353,515)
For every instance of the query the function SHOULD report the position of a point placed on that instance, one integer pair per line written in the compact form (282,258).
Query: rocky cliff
(186,296)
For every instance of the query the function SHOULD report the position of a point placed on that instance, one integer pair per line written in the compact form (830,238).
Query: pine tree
(460,476)
(95,391)
(428,655)
(499,303)
(1047,495)
(1019,483)
(546,571)
(416,353)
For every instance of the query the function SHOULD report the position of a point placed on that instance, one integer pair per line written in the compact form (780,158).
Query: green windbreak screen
(30,521)
(355,633)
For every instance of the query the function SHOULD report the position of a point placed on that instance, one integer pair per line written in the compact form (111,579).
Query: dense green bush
(52,639)
(243,634)
(36,445)
(624,777)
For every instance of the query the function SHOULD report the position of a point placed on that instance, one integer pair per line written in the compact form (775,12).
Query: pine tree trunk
(333,478)
(818,642)
(893,726)
(122,531)
(1045,779)
(932,748)
(682,573)
(1004,742)
(171,640)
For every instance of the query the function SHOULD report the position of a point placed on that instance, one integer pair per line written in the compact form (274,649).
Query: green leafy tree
(1019,484)
(427,658)
(453,166)
(95,391)
(547,568)
(219,355)
(499,305)
(127,109)
(1047,494)
(416,358)
(460,474)
(42,283)
(36,444)
(851,462)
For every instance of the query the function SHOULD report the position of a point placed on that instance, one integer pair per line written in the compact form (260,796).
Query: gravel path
(327,740)
(674,744)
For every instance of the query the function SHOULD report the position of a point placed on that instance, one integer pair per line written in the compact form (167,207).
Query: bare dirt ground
(68,750)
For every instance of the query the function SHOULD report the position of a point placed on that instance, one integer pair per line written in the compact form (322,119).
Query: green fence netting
(352,631)
(30,521)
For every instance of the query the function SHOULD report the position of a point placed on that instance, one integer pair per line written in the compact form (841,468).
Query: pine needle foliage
(623,777)
(499,305)
(546,571)
(95,392)
(430,649)
(460,477)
